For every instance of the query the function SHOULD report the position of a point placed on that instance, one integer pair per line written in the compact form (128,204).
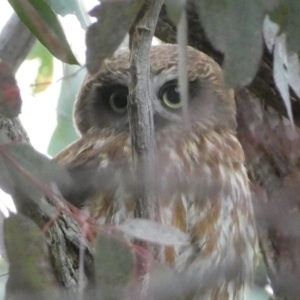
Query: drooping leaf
(293,73)
(43,23)
(10,98)
(24,170)
(235,28)
(270,32)
(103,37)
(65,7)
(114,267)
(287,16)
(154,232)
(280,74)
(174,8)
(46,67)
(30,272)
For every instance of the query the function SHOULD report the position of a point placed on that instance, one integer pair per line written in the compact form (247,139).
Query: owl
(202,188)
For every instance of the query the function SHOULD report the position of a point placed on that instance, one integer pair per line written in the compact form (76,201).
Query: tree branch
(15,42)
(140,110)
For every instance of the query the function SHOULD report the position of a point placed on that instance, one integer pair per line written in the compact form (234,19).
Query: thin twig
(183,82)
(140,110)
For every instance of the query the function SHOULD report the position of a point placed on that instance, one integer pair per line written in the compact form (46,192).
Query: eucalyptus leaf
(155,232)
(174,8)
(30,272)
(241,44)
(114,19)
(287,16)
(280,75)
(114,267)
(294,73)
(270,32)
(43,23)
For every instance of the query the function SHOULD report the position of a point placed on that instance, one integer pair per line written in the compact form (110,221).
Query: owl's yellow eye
(171,97)
(118,102)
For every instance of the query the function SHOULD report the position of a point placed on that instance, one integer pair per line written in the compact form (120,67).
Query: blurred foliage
(3,277)
(65,7)
(65,133)
(30,272)
(98,45)
(45,71)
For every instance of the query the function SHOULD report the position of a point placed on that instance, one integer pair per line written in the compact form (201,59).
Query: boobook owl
(203,188)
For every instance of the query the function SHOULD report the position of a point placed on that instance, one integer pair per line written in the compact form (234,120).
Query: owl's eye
(170,96)
(118,102)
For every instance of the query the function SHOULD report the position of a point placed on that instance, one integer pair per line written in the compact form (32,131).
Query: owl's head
(102,101)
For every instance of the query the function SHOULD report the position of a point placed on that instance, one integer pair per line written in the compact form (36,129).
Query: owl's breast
(203,190)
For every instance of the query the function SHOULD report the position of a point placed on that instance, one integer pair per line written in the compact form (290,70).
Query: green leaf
(287,16)
(30,271)
(174,9)
(114,267)
(164,284)
(235,28)
(103,37)
(46,68)
(43,23)
(65,7)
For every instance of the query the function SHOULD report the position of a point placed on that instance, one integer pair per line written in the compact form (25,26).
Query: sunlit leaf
(154,232)
(103,37)
(10,98)
(65,7)
(43,23)
(114,267)
(279,73)
(270,32)
(241,44)
(45,71)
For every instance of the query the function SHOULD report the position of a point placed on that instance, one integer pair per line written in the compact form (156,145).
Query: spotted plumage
(203,188)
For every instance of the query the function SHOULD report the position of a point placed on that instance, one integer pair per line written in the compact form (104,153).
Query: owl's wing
(92,163)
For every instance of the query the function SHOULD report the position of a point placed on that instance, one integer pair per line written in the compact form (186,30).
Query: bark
(15,42)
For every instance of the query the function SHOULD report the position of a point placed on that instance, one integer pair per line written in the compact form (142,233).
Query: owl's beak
(159,120)
(162,118)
